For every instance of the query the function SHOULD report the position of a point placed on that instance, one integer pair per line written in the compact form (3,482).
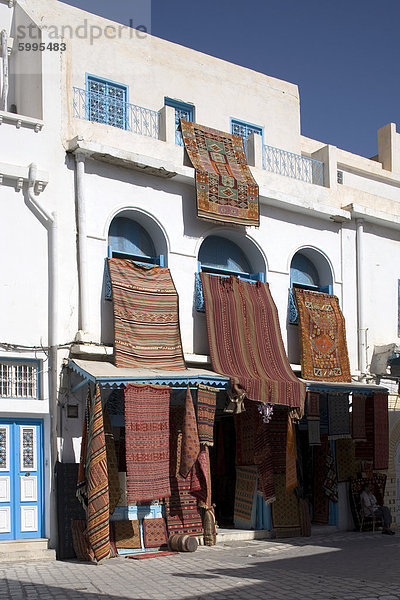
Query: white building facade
(78,171)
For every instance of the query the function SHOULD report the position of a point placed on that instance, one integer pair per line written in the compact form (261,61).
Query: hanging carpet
(146,317)
(225,187)
(278,429)
(285,509)
(345,459)
(206,404)
(381,431)
(97,482)
(264,461)
(114,489)
(246,424)
(313,428)
(330,483)
(364,451)
(338,416)
(245,340)
(324,355)
(244,515)
(312,405)
(358,418)
(147,441)
(291,455)
(320,499)
(190,448)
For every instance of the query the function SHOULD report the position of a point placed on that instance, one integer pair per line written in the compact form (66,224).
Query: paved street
(345,566)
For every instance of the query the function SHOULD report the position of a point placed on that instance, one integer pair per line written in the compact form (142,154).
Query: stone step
(26,550)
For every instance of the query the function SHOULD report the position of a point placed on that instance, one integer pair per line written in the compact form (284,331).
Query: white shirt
(368,502)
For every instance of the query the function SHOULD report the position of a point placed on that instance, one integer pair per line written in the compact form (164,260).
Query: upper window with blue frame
(304,274)
(243,129)
(106,102)
(183,110)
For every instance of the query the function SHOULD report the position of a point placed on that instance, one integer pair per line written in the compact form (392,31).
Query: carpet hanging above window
(226,190)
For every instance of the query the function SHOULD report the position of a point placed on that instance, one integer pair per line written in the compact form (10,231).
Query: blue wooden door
(21,479)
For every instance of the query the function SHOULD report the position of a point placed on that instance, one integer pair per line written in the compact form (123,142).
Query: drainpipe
(361,329)
(4,54)
(82,248)
(50,222)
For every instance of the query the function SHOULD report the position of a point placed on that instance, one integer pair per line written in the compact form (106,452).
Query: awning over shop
(108,375)
(344,388)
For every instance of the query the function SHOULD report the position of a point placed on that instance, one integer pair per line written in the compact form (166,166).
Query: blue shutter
(182,111)
(106,102)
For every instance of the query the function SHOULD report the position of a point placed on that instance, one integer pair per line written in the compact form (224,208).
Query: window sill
(91,349)
(21,121)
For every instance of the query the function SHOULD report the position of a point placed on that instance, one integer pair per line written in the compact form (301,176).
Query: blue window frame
(220,256)
(106,102)
(183,110)
(304,274)
(243,129)
(128,239)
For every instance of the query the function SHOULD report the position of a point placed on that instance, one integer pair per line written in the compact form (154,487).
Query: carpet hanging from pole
(146,317)
(225,187)
(358,418)
(206,404)
(338,416)
(246,343)
(147,441)
(190,449)
(381,431)
(291,455)
(244,516)
(98,528)
(324,355)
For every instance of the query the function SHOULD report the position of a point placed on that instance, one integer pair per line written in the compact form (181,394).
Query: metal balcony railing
(293,165)
(109,110)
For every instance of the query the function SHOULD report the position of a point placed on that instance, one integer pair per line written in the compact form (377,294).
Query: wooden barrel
(182,542)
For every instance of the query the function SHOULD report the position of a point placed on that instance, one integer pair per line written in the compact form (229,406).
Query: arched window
(309,270)
(221,256)
(303,271)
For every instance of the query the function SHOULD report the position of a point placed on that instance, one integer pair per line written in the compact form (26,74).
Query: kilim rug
(245,340)
(145,555)
(278,428)
(154,533)
(358,417)
(127,534)
(338,416)
(291,456)
(190,437)
(285,509)
(146,317)
(330,483)
(345,459)
(313,427)
(244,515)
(80,540)
(381,431)
(264,461)
(323,413)
(114,489)
(147,441)
(226,190)
(365,450)
(312,405)
(324,355)
(246,425)
(98,499)
(81,487)
(320,499)
(206,404)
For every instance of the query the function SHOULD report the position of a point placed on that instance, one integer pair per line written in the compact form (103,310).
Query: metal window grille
(293,165)
(181,113)
(114,111)
(340,177)
(18,380)
(243,130)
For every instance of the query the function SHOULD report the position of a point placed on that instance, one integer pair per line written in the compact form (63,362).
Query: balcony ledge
(21,121)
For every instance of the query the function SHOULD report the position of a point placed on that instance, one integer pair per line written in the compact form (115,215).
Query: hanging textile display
(330,483)
(364,451)
(114,489)
(264,461)
(225,187)
(97,483)
(313,418)
(81,488)
(246,424)
(381,430)
(278,430)
(285,509)
(291,455)
(190,449)
(147,441)
(313,428)
(345,459)
(358,418)
(338,416)
(245,340)
(146,317)
(244,515)
(324,355)
(320,499)
(206,404)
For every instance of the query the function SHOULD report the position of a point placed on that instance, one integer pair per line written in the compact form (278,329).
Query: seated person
(371,508)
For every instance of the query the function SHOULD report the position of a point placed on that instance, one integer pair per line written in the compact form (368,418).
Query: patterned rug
(154,533)
(244,515)
(146,317)
(127,534)
(190,448)
(381,431)
(312,405)
(151,555)
(82,482)
(330,483)
(365,450)
(80,540)
(246,425)
(278,428)
(358,418)
(245,340)
(324,355)
(206,404)
(345,459)
(226,190)
(338,416)
(291,456)
(285,509)
(313,428)
(264,461)
(98,498)
(147,441)
(320,499)
(114,489)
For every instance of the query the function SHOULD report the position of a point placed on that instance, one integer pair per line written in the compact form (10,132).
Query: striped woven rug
(146,317)
(246,342)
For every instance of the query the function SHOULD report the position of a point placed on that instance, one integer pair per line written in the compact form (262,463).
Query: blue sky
(343,54)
